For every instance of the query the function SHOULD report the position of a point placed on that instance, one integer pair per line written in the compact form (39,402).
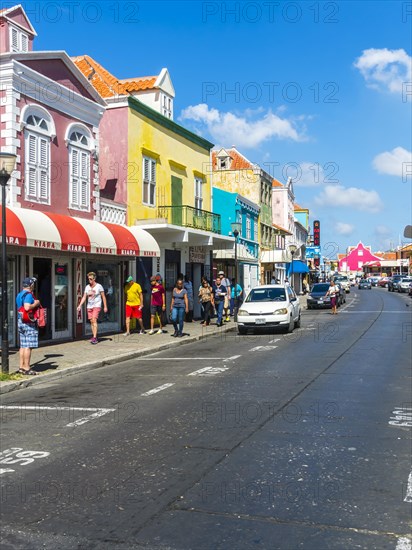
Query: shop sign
(149,253)
(76,248)
(197,254)
(79,290)
(102,250)
(45,244)
(12,240)
(125,252)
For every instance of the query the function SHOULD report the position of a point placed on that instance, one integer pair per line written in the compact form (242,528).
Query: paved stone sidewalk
(65,359)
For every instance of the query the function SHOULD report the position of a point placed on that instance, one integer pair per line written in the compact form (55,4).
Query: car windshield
(267,295)
(320,288)
(407,280)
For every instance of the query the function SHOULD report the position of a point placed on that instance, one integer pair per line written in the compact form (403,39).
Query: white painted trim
(38,110)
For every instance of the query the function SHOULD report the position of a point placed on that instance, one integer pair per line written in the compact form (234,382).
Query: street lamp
(7,163)
(236,228)
(292,250)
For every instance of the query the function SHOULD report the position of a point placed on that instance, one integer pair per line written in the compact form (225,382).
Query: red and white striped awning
(36,229)
(372,264)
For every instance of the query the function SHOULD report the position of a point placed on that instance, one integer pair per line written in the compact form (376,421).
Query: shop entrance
(53,291)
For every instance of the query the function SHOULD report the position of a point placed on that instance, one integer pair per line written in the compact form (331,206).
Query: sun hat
(129,279)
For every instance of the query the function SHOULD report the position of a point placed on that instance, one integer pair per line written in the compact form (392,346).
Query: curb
(13,385)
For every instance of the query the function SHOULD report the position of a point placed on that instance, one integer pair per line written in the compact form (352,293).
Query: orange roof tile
(239,162)
(281,228)
(106,84)
(276,183)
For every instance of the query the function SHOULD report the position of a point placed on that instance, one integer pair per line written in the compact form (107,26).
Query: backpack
(38,315)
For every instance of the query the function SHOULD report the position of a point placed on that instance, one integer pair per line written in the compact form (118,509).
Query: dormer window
(19,41)
(223,163)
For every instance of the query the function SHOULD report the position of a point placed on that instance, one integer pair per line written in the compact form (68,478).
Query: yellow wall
(245,182)
(147,137)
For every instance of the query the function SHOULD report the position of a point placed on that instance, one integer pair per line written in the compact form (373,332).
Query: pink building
(49,118)
(356,257)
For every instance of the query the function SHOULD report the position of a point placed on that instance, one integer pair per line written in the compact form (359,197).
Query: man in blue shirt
(220,295)
(236,292)
(28,332)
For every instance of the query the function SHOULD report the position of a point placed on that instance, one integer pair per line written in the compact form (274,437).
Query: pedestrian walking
(333,293)
(226,306)
(178,307)
(26,324)
(220,297)
(190,298)
(134,304)
(157,303)
(236,296)
(206,300)
(95,296)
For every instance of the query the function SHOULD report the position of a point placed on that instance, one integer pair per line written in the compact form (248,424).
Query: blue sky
(313,90)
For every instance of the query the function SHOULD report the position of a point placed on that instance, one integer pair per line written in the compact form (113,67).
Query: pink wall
(5,34)
(113,154)
(59,173)
(57,71)
(358,254)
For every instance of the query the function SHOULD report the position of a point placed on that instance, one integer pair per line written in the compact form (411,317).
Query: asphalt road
(235,442)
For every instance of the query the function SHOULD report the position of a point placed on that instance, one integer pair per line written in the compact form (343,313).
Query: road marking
(403,417)
(263,348)
(96,412)
(208,371)
(274,340)
(233,358)
(156,390)
(16,455)
(378,311)
(183,358)
(403,544)
(408,497)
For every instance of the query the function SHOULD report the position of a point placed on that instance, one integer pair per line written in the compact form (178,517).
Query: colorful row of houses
(107,181)
(360,259)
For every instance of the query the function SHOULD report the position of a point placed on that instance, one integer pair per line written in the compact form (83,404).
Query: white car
(403,285)
(269,306)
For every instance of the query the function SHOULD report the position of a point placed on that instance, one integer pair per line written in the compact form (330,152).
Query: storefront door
(61,300)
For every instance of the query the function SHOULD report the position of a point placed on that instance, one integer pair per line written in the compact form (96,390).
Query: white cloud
(344,228)
(309,174)
(245,131)
(397,162)
(385,69)
(336,196)
(382,230)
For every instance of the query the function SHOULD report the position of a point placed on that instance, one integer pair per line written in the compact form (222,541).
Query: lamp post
(236,228)
(292,250)
(7,163)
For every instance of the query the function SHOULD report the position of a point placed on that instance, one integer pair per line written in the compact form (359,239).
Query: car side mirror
(293,299)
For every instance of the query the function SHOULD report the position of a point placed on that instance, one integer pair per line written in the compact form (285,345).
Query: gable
(57,70)
(17,16)
(164,82)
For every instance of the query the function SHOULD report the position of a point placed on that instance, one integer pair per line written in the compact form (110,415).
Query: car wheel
(241,330)
(291,325)
(298,322)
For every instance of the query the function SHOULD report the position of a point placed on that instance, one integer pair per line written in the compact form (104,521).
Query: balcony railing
(187,216)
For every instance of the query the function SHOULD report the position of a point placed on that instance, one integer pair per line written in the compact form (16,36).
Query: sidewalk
(64,359)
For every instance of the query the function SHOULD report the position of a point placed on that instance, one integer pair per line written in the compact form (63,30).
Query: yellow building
(155,173)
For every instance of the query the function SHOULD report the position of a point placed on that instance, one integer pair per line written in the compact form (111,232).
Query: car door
(293,302)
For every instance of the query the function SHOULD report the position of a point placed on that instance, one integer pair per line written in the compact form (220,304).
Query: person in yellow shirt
(134,304)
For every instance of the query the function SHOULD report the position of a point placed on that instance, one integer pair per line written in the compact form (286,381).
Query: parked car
(383,282)
(317,296)
(403,284)
(344,280)
(374,280)
(342,294)
(269,306)
(365,283)
(393,282)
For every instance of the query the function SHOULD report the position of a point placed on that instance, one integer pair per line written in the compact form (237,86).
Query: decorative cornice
(150,113)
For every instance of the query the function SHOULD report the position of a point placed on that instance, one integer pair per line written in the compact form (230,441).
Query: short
(28,334)
(333,301)
(93,313)
(156,309)
(133,311)
(226,302)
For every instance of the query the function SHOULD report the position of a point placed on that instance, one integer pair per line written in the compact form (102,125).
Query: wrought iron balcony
(188,216)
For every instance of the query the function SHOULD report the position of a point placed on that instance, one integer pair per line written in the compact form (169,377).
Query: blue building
(233,207)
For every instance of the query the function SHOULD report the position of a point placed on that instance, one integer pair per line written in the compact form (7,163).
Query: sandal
(29,372)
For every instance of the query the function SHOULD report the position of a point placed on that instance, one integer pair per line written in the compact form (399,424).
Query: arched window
(39,130)
(80,143)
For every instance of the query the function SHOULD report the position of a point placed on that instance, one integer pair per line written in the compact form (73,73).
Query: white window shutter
(85,177)
(14,39)
(24,43)
(44,156)
(31,181)
(146,176)
(44,191)
(32,149)
(153,171)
